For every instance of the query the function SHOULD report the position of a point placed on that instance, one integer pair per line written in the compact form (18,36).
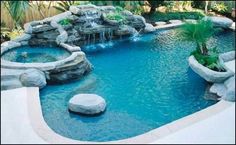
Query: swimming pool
(146,83)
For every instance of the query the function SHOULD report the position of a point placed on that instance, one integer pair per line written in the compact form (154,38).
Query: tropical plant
(65,22)
(211,61)
(65,5)
(4,32)
(200,32)
(15,32)
(17,10)
(220,7)
(133,6)
(117,16)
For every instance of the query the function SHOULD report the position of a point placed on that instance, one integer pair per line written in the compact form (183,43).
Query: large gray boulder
(225,90)
(33,78)
(208,74)
(87,104)
(125,30)
(149,28)
(221,21)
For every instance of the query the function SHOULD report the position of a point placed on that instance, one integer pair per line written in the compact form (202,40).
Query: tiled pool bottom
(146,84)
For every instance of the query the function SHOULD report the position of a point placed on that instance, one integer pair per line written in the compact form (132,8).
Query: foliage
(17,10)
(4,32)
(200,32)
(117,16)
(65,22)
(65,5)
(220,7)
(211,61)
(133,6)
(159,16)
(16,32)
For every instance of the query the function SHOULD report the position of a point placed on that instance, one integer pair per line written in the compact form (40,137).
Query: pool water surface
(146,83)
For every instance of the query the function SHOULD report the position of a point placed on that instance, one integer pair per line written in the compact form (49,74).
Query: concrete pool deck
(22,122)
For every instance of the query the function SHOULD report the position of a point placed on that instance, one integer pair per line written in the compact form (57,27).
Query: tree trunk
(206,7)
(152,10)
(204,49)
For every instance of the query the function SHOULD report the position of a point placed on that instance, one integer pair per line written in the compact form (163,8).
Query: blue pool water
(36,54)
(146,83)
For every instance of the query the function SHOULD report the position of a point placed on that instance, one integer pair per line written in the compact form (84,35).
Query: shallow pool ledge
(23,122)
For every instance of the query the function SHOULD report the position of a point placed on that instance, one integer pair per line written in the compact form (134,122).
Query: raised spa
(35,54)
(146,84)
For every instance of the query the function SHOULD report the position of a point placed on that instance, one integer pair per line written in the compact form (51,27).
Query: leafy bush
(117,16)
(65,22)
(220,7)
(211,61)
(159,16)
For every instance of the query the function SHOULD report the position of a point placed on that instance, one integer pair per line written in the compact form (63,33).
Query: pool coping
(46,133)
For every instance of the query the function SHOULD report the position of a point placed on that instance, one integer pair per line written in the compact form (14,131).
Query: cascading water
(110,34)
(135,35)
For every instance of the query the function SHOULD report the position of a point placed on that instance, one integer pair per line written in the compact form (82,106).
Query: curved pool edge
(46,133)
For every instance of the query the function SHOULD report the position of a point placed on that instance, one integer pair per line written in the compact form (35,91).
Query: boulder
(70,48)
(48,35)
(175,21)
(221,21)
(107,8)
(62,37)
(33,78)
(126,13)
(160,23)
(42,28)
(138,22)
(225,90)
(149,28)
(208,74)
(125,30)
(87,104)
(28,28)
(75,69)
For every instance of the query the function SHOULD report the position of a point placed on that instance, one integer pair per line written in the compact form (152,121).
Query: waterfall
(102,36)
(135,35)
(94,37)
(88,40)
(110,34)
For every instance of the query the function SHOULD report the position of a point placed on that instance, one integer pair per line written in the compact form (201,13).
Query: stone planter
(208,74)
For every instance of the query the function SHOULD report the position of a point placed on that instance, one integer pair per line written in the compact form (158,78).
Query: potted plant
(204,61)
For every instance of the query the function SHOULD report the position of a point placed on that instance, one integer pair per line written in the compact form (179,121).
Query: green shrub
(159,16)
(211,61)
(220,7)
(65,22)
(117,16)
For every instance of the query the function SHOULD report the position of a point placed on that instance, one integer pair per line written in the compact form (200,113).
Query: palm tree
(200,32)
(17,10)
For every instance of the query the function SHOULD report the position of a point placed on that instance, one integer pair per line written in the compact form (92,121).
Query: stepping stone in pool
(87,104)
